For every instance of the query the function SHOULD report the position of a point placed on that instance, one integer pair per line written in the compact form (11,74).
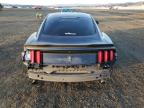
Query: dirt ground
(124,90)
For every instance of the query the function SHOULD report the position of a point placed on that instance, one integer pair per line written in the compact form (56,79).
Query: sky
(72,2)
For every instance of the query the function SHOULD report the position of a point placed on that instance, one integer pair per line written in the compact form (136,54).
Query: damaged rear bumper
(69,77)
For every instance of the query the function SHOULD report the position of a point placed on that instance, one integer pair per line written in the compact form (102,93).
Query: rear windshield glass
(69,26)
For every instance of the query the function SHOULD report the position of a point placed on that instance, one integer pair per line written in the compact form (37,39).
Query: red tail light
(100,56)
(111,55)
(105,56)
(38,57)
(32,56)
(35,57)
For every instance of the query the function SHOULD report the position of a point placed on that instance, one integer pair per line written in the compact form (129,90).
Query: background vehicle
(1,6)
(69,47)
(67,10)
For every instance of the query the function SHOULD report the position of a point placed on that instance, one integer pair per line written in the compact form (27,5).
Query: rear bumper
(100,74)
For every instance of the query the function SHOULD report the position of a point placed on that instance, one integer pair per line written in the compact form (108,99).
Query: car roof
(68,15)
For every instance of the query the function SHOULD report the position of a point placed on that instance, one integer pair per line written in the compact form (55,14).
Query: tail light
(111,55)
(35,57)
(100,56)
(32,56)
(105,56)
(38,57)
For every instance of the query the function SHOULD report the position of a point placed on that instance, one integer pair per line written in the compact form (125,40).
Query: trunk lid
(69,59)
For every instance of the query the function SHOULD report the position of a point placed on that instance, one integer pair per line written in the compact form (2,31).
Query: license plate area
(69,59)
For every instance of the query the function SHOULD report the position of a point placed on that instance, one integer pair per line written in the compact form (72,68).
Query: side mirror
(97,22)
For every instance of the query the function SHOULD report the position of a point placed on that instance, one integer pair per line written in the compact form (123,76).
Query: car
(66,10)
(69,47)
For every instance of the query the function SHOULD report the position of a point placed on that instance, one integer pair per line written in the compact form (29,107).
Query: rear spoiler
(73,48)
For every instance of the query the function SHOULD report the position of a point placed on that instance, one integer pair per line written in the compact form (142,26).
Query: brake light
(111,55)
(105,56)
(35,57)
(38,57)
(99,56)
(32,56)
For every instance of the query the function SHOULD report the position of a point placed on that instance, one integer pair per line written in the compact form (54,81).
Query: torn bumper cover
(69,77)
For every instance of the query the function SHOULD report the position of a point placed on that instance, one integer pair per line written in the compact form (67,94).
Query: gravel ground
(124,90)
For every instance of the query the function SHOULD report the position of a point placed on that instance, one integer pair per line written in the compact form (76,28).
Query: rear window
(78,26)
